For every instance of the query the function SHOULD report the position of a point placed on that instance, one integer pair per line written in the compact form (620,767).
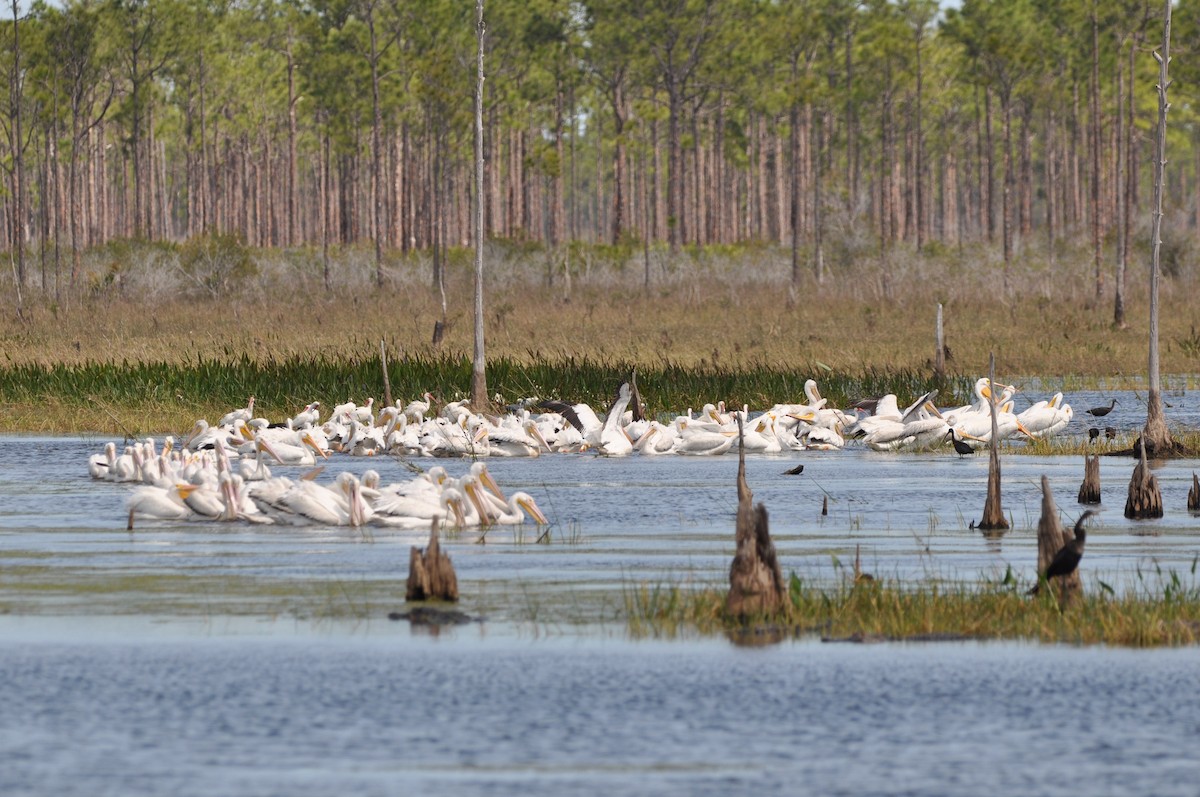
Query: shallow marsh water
(217,659)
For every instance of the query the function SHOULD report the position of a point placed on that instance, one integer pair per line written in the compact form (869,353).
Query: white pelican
(244,414)
(364,414)
(204,436)
(207,503)
(258,471)
(695,440)
(1045,418)
(610,439)
(100,464)
(760,438)
(524,440)
(305,453)
(657,439)
(514,511)
(306,417)
(416,410)
(159,503)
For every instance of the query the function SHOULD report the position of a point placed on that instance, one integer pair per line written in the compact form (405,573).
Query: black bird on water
(1100,412)
(1110,432)
(960,445)
(794,471)
(1067,558)
(1093,433)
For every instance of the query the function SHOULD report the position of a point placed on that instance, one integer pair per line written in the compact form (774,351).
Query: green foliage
(216,263)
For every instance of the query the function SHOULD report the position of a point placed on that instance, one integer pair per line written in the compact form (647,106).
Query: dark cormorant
(1067,558)
(1110,432)
(1093,433)
(794,471)
(1100,412)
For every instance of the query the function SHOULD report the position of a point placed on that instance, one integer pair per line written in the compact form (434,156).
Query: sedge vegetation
(147,349)
(1161,610)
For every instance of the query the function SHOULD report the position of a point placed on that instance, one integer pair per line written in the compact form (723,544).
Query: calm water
(468,714)
(218,659)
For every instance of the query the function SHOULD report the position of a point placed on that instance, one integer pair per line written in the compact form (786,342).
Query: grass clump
(1165,615)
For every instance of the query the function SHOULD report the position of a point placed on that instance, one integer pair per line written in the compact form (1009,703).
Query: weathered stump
(1089,491)
(1145,499)
(430,574)
(1052,538)
(755,579)
(1194,494)
(993,513)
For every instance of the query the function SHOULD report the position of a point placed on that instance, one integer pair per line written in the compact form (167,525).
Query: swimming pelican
(100,464)
(158,503)
(695,440)
(514,511)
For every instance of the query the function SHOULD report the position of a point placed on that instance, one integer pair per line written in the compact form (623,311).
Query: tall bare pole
(1155,436)
(479,394)
(18,149)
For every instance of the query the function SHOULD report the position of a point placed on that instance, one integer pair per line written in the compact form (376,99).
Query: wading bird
(1100,412)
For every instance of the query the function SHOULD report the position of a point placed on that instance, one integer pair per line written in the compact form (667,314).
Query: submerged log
(1089,491)
(430,574)
(756,584)
(1052,538)
(993,513)
(1145,499)
(1194,494)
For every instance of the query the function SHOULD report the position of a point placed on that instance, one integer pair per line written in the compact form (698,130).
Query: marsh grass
(138,398)
(1161,609)
(151,352)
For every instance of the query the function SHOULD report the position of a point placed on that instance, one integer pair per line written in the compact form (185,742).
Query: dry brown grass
(734,312)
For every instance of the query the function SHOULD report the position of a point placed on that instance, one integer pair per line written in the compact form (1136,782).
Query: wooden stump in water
(1194,494)
(755,579)
(1052,538)
(1145,499)
(430,574)
(993,513)
(1089,491)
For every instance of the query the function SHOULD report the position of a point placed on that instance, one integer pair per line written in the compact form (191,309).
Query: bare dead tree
(479,394)
(1156,438)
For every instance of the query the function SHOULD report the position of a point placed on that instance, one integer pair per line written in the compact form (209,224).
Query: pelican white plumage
(365,415)
(610,440)
(1045,418)
(519,506)
(523,440)
(303,453)
(698,440)
(658,439)
(306,417)
(159,503)
(204,436)
(416,410)
(99,465)
(760,437)
(243,414)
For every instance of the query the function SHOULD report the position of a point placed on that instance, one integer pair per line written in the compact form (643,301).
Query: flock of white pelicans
(222,472)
